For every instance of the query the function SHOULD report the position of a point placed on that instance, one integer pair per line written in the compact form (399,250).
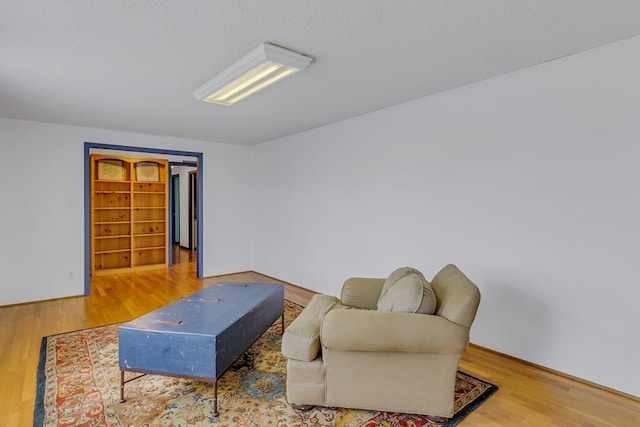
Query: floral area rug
(79,385)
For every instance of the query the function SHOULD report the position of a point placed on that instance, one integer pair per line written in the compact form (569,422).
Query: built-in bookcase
(129,221)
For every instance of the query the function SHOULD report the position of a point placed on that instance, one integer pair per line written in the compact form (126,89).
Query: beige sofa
(388,344)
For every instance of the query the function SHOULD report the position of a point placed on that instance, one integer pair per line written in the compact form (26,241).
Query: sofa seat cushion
(301,340)
(407,290)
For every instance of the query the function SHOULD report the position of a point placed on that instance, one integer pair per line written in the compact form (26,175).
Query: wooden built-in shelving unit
(129,221)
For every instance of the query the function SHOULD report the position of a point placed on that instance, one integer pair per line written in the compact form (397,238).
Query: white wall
(528,182)
(42,214)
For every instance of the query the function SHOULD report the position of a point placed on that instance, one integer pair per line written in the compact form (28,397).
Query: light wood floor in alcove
(528,395)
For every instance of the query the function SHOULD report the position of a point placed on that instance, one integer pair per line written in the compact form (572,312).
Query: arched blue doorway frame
(87,200)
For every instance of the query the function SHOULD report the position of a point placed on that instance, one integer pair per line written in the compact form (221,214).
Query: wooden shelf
(113,251)
(129,217)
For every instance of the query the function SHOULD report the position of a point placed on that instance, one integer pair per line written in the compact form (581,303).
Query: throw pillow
(407,290)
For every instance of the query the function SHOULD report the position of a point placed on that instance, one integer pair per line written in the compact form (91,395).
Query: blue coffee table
(200,336)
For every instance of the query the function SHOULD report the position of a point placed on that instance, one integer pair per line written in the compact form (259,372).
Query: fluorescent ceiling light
(262,67)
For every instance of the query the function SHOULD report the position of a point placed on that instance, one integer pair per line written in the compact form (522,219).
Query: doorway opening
(175,205)
(187,158)
(184,211)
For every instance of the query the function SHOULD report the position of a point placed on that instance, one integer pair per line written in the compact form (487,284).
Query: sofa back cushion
(458,297)
(407,290)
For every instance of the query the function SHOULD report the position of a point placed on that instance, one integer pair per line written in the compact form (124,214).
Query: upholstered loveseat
(388,344)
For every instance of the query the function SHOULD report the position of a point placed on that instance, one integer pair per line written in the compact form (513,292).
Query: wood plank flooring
(528,395)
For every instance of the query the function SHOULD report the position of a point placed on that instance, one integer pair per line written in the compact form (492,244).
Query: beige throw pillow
(407,290)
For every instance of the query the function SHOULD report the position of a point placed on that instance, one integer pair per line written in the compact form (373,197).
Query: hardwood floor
(528,395)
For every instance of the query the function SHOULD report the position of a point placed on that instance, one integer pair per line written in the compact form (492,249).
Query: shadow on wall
(512,321)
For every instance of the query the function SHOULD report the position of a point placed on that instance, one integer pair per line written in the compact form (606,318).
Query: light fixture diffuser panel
(262,67)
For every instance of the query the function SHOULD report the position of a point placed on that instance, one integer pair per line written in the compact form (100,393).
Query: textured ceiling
(133,65)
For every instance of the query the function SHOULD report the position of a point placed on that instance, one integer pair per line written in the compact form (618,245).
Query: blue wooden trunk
(201,335)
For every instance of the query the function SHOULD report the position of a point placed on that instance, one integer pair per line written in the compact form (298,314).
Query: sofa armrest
(301,340)
(361,292)
(376,331)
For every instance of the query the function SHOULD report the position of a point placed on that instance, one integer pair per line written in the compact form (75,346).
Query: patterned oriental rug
(79,384)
